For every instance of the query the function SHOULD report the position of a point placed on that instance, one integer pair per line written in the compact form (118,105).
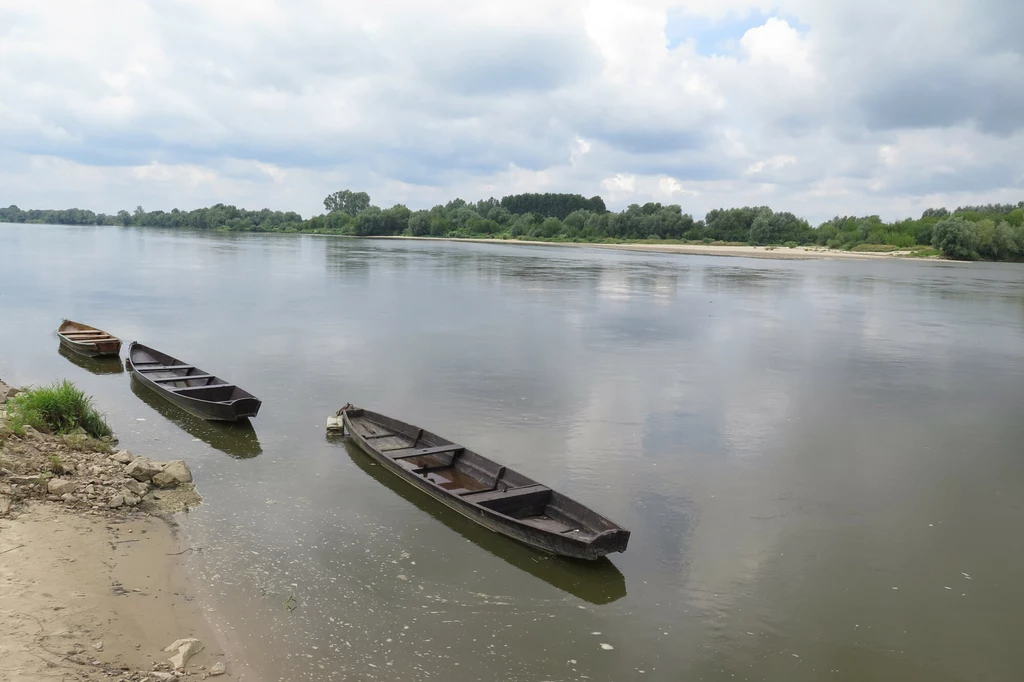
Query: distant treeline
(992,232)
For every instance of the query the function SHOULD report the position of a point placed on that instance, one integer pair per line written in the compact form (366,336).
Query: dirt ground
(92,597)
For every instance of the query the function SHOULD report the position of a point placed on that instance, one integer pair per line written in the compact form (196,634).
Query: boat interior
(82,334)
(474,478)
(184,379)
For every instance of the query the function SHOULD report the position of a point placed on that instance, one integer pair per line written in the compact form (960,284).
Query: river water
(821,462)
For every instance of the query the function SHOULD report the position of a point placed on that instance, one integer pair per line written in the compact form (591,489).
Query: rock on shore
(81,472)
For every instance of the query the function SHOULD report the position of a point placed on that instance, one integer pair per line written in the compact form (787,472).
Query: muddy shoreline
(92,581)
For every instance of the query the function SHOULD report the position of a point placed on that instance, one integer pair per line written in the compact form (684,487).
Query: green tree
(956,238)
(419,224)
(996,241)
(347,201)
(766,228)
(370,221)
(396,219)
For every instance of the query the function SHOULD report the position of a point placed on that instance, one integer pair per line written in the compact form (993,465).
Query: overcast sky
(812,106)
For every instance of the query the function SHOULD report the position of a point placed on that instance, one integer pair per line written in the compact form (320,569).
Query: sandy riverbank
(778,252)
(91,581)
(91,597)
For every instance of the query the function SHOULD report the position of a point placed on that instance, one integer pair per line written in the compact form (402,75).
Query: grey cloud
(643,140)
(961,179)
(921,64)
(495,63)
(992,97)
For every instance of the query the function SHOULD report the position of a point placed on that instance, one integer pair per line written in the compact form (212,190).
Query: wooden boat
(188,387)
(598,582)
(86,340)
(236,439)
(494,496)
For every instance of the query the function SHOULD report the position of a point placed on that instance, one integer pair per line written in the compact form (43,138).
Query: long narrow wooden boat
(598,582)
(86,340)
(188,387)
(493,495)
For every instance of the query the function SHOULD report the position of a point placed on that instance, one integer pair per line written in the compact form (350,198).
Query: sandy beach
(92,585)
(84,597)
(775,252)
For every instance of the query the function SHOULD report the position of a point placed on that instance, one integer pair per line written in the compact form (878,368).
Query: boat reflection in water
(597,582)
(96,365)
(236,439)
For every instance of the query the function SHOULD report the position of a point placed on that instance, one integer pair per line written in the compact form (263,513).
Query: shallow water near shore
(820,461)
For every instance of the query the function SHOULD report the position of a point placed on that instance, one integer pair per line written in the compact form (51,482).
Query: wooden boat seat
(182,389)
(487,495)
(427,463)
(430,451)
(183,377)
(164,368)
(515,502)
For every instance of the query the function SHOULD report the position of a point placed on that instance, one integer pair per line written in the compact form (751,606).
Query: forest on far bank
(991,232)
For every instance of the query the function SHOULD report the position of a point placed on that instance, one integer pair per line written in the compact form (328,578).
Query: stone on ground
(143,469)
(165,480)
(137,488)
(186,648)
(122,456)
(59,486)
(179,470)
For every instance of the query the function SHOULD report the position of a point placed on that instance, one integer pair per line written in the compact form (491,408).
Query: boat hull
(552,543)
(75,337)
(242,407)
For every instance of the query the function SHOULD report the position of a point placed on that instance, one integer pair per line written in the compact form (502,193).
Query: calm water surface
(821,462)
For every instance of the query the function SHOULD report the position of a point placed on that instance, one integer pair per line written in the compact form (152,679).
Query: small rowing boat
(86,340)
(190,388)
(493,495)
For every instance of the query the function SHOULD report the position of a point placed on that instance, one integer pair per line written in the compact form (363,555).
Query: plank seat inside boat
(426,461)
(527,501)
(214,392)
(182,377)
(427,451)
(518,495)
(163,368)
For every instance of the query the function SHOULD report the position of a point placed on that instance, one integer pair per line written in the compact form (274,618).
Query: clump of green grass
(59,408)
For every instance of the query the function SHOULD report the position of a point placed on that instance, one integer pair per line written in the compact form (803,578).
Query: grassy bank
(61,408)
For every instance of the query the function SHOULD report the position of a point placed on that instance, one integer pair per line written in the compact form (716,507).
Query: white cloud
(673,189)
(774,163)
(823,108)
(778,43)
(620,183)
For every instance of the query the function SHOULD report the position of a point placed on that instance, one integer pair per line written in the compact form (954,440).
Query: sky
(831,108)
